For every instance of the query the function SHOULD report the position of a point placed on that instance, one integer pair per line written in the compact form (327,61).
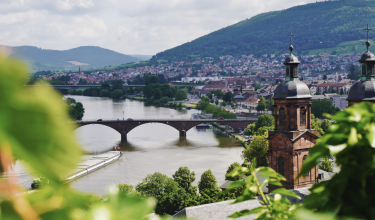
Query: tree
(106,86)
(151,79)
(269,104)
(264,130)
(217,102)
(264,121)
(228,97)
(324,77)
(185,180)
(261,105)
(223,103)
(214,195)
(317,93)
(157,93)
(353,75)
(116,94)
(117,84)
(230,168)
(325,125)
(212,101)
(104,93)
(147,91)
(250,129)
(258,149)
(256,86)
(326,165)
(316,124)
(341,91)
(208,181)
(320,106)
(125,188)
(181,95)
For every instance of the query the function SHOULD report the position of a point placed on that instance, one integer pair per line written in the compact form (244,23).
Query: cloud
(130,26)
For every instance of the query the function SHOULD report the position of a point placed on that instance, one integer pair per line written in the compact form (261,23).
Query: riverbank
(95,162)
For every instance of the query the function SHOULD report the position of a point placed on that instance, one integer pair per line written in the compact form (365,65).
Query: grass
(344,48)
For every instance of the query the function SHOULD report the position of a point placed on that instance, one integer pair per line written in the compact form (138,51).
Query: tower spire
(291,46)
(367,42)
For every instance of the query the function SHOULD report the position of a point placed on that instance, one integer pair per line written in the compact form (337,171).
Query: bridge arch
(124,127)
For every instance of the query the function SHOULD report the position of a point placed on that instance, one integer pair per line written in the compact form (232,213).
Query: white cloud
(130,26)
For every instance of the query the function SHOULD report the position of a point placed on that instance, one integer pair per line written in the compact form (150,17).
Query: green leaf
(353,139)
(272,174)
(235,185)
(247,212)
(243,198)
(286,192)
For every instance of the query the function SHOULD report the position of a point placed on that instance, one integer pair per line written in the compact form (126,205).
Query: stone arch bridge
(125,126)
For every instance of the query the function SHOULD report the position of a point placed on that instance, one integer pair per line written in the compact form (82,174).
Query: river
(150,147)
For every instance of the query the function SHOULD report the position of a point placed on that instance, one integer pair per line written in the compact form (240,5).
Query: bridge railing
(162,119)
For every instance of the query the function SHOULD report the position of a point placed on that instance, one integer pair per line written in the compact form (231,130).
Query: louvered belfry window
(281,165)
(304,158)
(302,116)
(282,116)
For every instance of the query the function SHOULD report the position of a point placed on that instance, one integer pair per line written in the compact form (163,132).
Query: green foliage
(224,103)
(104,93)
(354,74)
(317,125)
(230,168)
(207,181)
(264,121)
(264,130)
(261,105)
(125,188)
(75,109)
(228,97)
(116,94)
(214,110)
(151,79)
(350,193)
(181,95)
(258,148)
(325,125)
(320,106)
(274,207)
(250,129)
(34,130)
(217,102)
(326,165)
(256,86)
(185,180)
(214,195)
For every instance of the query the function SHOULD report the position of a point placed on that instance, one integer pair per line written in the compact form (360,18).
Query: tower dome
(292,88)
(364,90)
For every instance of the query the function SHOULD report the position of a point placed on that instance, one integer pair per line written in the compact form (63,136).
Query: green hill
(86,57)
(316,26)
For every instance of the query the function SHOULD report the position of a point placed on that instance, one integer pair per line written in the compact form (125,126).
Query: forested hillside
(85,57)
(316,25)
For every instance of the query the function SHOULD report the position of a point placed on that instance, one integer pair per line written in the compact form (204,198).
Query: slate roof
(220,210)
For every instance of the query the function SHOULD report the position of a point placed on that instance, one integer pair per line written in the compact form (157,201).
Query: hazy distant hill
(86,57)
(143,57)
(316,25)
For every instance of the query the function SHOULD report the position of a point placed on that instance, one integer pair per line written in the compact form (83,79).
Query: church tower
(290,142)
(364,90)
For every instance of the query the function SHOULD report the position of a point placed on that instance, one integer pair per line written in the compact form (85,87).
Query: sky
(127,26)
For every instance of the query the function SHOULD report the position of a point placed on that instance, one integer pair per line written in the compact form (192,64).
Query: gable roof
(296,138)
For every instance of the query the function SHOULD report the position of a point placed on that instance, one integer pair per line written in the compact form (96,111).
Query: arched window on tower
(281,165)
(303,160)
(302,116)
(282,116)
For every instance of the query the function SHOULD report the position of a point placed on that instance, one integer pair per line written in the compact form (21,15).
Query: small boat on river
(202,126)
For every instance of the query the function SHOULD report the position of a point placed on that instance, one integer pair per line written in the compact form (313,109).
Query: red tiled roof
(252,100)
